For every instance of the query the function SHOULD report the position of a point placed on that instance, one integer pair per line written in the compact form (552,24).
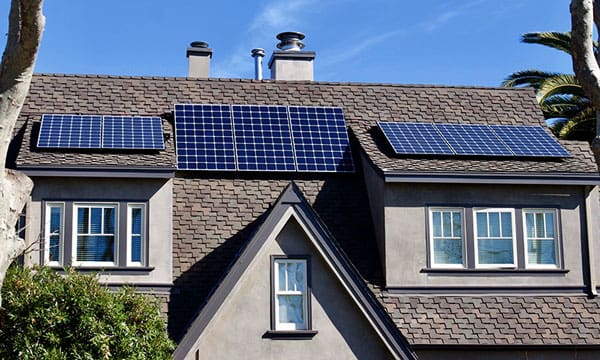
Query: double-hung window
(95,234)
(495,244)
(135,234)
(447,237)
(291,294)
(540,238)
(53,250)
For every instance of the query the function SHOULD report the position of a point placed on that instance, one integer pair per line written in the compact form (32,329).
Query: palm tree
(562,100)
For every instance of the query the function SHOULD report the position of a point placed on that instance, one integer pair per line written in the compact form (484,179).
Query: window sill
(493,270)
(109,270)
(290,334)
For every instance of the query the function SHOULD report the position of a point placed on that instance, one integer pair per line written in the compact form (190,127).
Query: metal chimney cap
(290,41)
(258,52)
(199,44)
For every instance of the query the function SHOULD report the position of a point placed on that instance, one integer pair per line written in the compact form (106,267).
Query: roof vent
(290,41)
(199,55)
(258,55)
(291,62)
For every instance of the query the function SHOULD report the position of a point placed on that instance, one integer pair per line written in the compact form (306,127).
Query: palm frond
(564,84)
(533,78)
(579,127)
(564,106)
(554,39)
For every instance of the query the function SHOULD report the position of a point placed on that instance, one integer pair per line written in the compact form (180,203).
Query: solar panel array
(261,138)
(471,140)
(96,131)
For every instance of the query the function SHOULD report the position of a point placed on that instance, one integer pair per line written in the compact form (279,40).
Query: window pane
(529,224)
(291,276)
(95,248)
(550,225)
(539,225)
(291,310)
(55,220)
(83,220)
(54,248)
(136,220)
(447,228)
(300,271)
(95,221)
(506,224)
(457,224)
(495,251)
(494,224)
(136,248)
(541,252)
(281,270)
(109,220)
(437,223)
(447,251)
(482,230)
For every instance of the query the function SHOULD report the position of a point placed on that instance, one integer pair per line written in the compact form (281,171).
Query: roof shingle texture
(363,104)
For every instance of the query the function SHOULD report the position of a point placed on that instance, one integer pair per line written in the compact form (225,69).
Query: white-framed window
(495,244)
(541,238)
(54,233)
(290,294)
(95,234)
(136,234)
(447,237)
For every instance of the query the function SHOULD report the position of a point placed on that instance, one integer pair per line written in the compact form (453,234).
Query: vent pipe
(199,55)
(258,55)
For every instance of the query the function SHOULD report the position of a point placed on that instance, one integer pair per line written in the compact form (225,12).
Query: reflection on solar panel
(204,136)
(132,132)
(473,140)
(415,138)
(70,131)
(320,139)
(262,138)
(529,141)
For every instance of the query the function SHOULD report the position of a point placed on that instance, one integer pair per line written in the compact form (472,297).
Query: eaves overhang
(98,171)
(492,178)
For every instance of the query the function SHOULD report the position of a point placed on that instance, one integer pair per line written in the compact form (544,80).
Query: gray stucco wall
(236,331)
(158,193)
(581,354)
(407,243)
(375,191)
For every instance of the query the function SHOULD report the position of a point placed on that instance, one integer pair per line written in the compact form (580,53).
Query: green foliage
(49,316)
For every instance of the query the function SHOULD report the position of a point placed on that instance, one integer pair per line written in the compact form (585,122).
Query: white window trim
(431,238)
(556,239)
(131,206)
(74,261)
(47,234)
(513,238)
(290,326)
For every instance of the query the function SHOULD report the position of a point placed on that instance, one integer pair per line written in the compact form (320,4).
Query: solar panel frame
(70,131)
(530,140)
(410,138)
(132,132)
(204,137)
(320,137)
(473,140)
(263,139)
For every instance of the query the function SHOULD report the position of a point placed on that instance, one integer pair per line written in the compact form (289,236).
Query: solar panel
(415,138)
(132,132)
(70,131)
(529,141)
(204,135)
(473,140)
(320,139)
(262,138)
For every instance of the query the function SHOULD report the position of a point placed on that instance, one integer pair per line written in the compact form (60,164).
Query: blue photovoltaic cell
(204,137)
(473,140)
(132,132)
(415,138)
(529,141)
(70,131)
(262,138)
(320,139)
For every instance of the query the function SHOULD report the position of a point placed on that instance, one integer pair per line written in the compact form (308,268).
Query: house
(402,248)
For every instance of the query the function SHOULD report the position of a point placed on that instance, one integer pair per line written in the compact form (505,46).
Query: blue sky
(451,42)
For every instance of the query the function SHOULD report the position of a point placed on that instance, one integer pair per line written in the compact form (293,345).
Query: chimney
(199,56)
(258,55)
(290,62)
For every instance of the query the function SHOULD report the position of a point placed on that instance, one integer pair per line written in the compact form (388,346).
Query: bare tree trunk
(26,24)
(584,15)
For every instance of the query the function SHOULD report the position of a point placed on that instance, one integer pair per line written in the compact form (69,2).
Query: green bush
(72,316)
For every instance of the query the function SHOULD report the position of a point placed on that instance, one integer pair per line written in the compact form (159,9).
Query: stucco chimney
(290,62)
(199,56)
